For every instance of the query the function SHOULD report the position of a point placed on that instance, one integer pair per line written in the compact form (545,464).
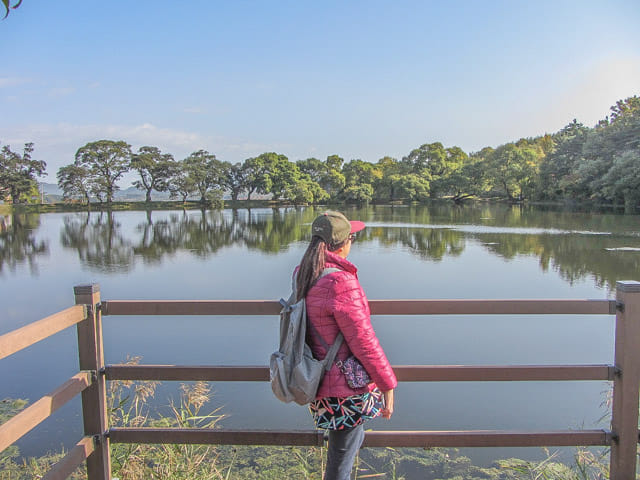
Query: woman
(336,303)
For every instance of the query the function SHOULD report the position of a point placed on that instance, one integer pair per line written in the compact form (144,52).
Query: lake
(440,251)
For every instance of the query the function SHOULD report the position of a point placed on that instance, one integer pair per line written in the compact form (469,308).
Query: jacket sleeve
(351,312)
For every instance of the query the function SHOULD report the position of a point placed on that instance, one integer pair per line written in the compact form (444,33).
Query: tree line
(578,163)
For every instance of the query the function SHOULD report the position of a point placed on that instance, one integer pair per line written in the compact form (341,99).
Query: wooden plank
(624,417)
(188,373)
(495,373)
(404,373)
(487,438)
(471,438)
(215,436)
(490,307)
(378,307)
(94,399)
(30,417)
(26,336)
(191,307)
(71,461)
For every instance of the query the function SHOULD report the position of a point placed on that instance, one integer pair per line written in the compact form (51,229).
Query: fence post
(94,400)
(624,418)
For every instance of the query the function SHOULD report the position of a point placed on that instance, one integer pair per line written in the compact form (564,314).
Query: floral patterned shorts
(338,413)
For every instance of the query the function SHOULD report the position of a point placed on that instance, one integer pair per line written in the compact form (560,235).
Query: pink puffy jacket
(337,303)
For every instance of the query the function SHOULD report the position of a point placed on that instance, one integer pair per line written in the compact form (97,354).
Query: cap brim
(356,226)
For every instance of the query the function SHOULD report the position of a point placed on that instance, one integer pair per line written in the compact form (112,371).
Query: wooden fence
(90,381)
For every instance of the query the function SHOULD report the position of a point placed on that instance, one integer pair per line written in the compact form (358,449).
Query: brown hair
(312,265)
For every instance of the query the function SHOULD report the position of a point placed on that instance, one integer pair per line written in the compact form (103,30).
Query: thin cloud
(193,110)
(61,91)
(13,81)
(58,143)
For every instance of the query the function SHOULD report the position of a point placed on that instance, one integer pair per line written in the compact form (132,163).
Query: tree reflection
(574,256)
(561,241)
(427,243)
(18,244)
(158,239)
(99,241)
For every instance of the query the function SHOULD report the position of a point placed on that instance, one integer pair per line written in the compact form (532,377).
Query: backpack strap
(333,350)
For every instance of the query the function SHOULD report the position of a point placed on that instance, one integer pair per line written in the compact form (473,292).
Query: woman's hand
(387,411)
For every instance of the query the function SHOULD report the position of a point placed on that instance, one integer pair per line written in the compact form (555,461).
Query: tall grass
(129,405)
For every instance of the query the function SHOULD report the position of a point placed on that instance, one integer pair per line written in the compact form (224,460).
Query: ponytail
(312,265)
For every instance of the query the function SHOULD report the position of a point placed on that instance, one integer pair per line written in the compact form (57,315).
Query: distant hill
(130,194)
(50,189)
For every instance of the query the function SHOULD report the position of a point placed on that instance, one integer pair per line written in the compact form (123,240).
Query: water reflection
(574,244)
(428,243)
(574,256)
(18,244)
(99,241)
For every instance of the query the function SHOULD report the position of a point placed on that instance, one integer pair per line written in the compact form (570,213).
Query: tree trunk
(148,199)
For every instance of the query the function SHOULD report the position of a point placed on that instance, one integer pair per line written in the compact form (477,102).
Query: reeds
(130,405)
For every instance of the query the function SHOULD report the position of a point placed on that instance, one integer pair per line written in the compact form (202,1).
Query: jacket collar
(340,262)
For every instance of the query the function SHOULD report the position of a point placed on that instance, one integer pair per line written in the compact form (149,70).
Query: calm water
(406,252)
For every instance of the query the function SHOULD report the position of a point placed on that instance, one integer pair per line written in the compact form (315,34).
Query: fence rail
(26,336)
(404,373)
(72,460)
(16,427)
(422,439)
(378,307)
(90,382)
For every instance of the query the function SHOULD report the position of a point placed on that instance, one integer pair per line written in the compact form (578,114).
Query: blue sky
(362,79)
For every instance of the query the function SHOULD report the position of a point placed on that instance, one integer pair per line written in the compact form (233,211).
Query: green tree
(514,169)
(255,171)
(74,181)
(609,140)
(358,193)
(430,157)
(360,177)
(18,173)
(441,183)
(106,161)
(305,191)
(411,187)
(206,173)
(333,180)
(467,181)
(281,175)
(558,169)
(434,162)
(180,184)
(234,179)
(385,187)
(622,181)
(154,168)
(625,110)
(325,174)
(358,172)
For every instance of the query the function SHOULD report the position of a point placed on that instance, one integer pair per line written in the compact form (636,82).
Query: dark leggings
(342,451)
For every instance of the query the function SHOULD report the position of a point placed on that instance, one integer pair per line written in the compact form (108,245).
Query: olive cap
(334,227)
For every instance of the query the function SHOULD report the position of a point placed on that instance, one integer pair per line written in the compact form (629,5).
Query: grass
(129,405)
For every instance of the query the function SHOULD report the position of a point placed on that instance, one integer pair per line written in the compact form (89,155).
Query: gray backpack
(295,374)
